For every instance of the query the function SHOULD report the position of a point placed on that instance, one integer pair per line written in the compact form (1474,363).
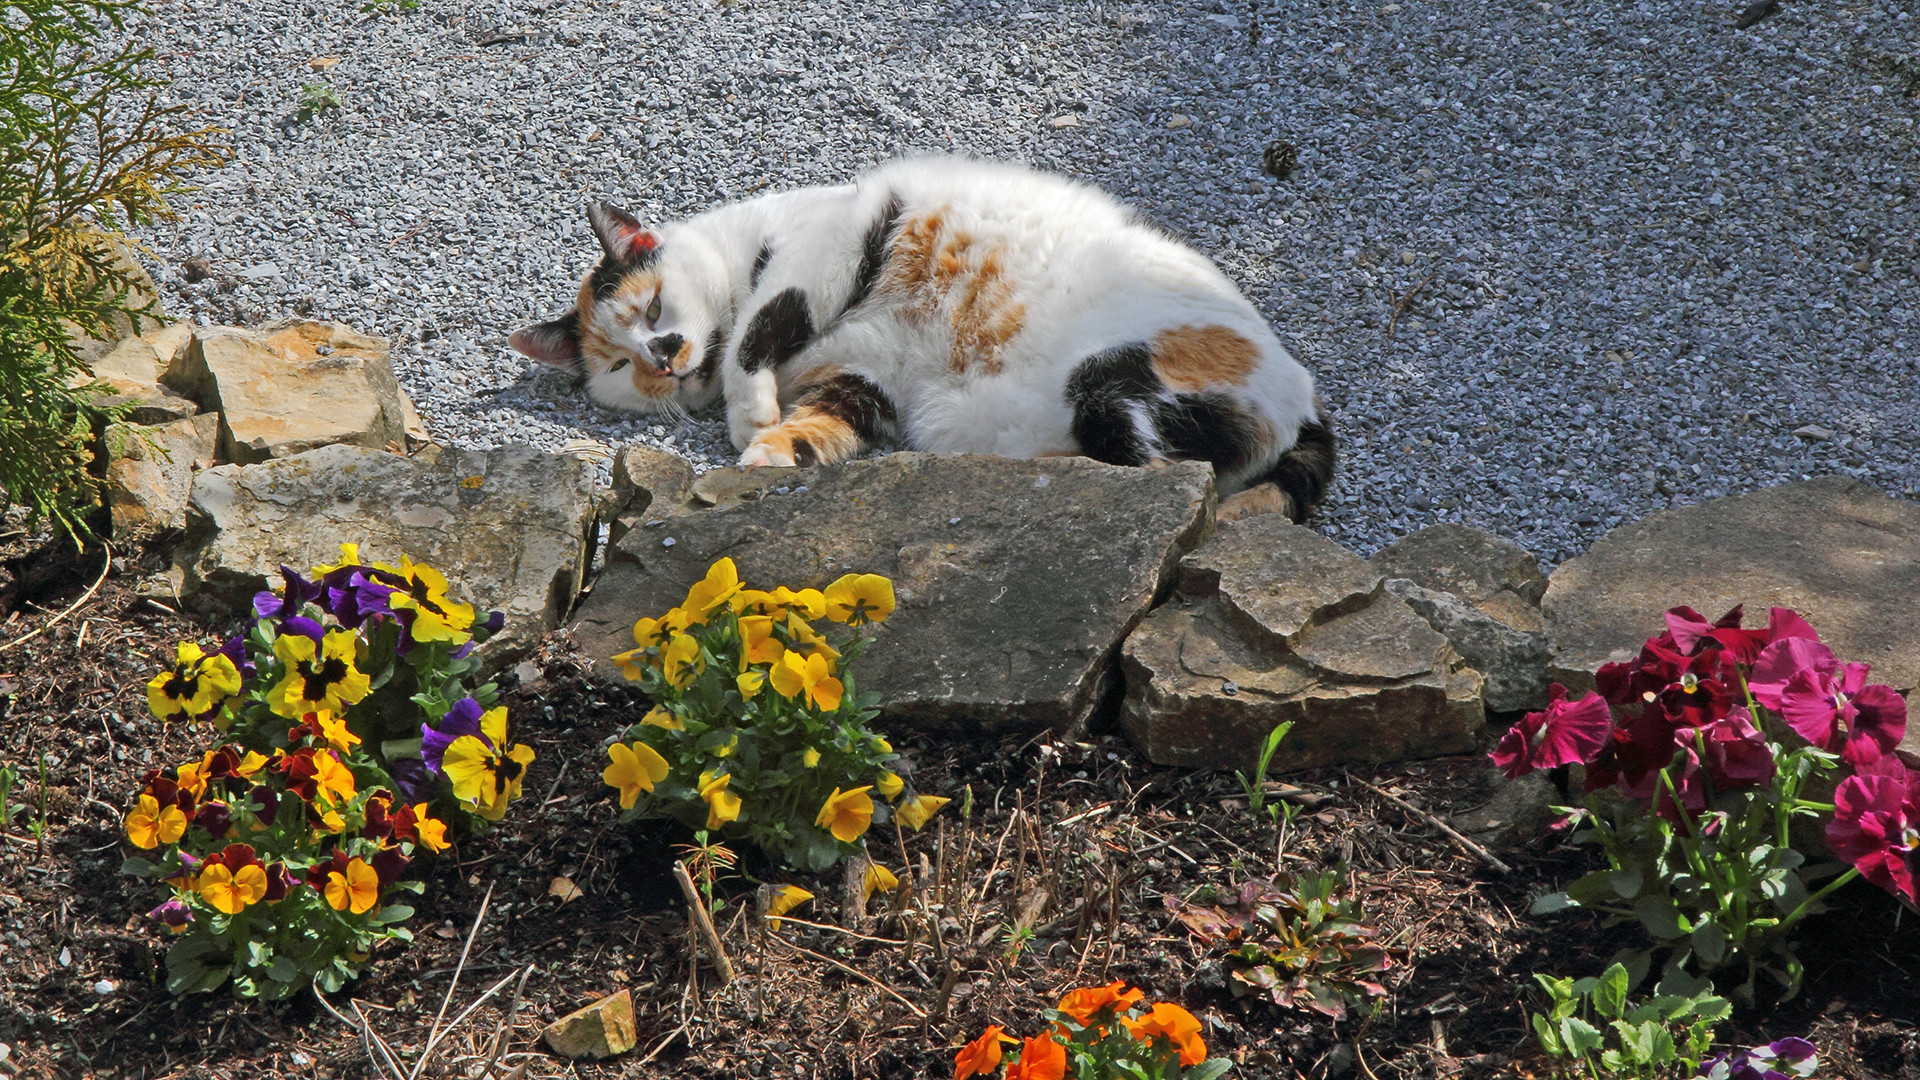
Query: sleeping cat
(955,305)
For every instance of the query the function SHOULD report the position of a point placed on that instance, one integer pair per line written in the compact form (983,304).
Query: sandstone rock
(1464,561)
(648,484)
(1836,550)
(510,528)
(1272,622)
(292,386)
(1016,580)
(129,370)
(150,472)
(598,1031)
(718,488)
(1514,661)
(122,326)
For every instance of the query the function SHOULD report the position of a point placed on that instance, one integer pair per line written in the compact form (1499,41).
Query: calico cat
(955,305)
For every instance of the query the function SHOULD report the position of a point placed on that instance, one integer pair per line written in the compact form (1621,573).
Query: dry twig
(704,923)
(1400,306)
(105,566)
(1471,848)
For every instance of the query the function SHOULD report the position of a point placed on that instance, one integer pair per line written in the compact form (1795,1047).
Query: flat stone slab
(1470,563)
(1836,550)
(511,528)
(289,387)
(1272,622)
(1015,580)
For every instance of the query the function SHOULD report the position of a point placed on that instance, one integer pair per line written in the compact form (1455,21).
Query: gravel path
(1631,250)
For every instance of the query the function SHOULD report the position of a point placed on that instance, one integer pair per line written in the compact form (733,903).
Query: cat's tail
(1297,482)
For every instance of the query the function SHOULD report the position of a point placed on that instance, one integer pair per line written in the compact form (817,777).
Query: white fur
(1090,275)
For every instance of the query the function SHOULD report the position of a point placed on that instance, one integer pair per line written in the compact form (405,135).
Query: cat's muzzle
(664,349)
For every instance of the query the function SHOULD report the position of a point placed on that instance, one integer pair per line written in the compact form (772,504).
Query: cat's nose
(664,349)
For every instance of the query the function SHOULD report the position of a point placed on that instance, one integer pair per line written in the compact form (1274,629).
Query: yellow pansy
(808,603)
(683,662)
(194,685)
(149,824)
(810,757)
(889,784)
(757,643)
(807,641)
(357,890)
(718,587)
(435,618)
(659,717)
(860,598)
(334,778)
(230,892)
(722,805)
(632,664)
(749,683)
(846,814)
(482,776)
(915,812)
(785,899)
(320,676)
(633,769)
(727,748)
(334,729)
(879,879)
(431,831)
(349,556)
(812,676)
(655,633)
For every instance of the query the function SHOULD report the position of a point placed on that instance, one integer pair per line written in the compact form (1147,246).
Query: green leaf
(138,867)
(1543,1031)
(393,913)
(282,969)
(1592,890)
(1636,1040)
(1580,1037)
(1610,996)
(1551,903)
(1710,942)
(181,977)
(1658,915)
(1208,1069)
(1626,882)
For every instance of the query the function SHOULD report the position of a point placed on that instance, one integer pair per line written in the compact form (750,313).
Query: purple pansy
(1564,733)
(174,913)
(297,592)
(354,597)
(1781,1059)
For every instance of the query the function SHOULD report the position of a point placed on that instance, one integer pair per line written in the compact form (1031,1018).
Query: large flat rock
(510,528)
(1272,622)
(1016,580)
(1838,551)
(150,472)
(289,387)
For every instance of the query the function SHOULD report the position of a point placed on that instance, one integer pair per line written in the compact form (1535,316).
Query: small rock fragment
(1179,120)
(598,1031)
(1814,433)
(1065,120)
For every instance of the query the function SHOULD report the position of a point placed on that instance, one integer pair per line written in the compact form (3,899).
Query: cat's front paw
(746,422)
(761,453)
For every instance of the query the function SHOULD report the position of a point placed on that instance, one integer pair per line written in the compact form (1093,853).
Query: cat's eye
(653,310)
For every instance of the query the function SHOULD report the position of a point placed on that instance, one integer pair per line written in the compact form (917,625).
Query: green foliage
(1594,1026)
(1296,943)
(86,146)
(1256,788)
(758,732)
(1715,890)
(317,98)
(8,777)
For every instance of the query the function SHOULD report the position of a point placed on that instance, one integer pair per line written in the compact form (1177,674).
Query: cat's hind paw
(761,453)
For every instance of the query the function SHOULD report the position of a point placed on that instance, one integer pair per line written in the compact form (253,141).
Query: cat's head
(647,330)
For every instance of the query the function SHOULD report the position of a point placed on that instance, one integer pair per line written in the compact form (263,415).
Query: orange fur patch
(832,440)
(1196,357)
(1259,499)
(936,271)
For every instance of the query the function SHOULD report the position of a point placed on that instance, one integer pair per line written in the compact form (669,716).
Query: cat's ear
(621,235)
(555,342)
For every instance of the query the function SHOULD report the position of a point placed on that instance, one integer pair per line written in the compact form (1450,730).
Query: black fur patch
(804,454)
(777,332)
(759,266)
(1101,392)
(716,352)
(1206,427)
(873,253)
(1306,470)
(608,275)
(855,402)
(558,339)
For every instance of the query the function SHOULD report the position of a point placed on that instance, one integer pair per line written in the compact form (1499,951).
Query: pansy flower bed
(348,743)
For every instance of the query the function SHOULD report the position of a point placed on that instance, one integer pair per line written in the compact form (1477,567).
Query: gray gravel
(1642,248)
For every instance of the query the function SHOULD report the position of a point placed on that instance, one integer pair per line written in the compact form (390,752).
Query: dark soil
(1105,834)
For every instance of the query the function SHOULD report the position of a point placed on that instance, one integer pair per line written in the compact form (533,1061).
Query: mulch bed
(1106,835)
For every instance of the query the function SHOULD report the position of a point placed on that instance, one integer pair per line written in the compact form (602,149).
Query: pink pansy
(1781,661)
(1565,733)
(1839,712)
(1692,632)
(1736,754)
(1876,824)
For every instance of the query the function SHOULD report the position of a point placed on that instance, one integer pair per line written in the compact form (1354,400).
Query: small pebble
(104,987)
